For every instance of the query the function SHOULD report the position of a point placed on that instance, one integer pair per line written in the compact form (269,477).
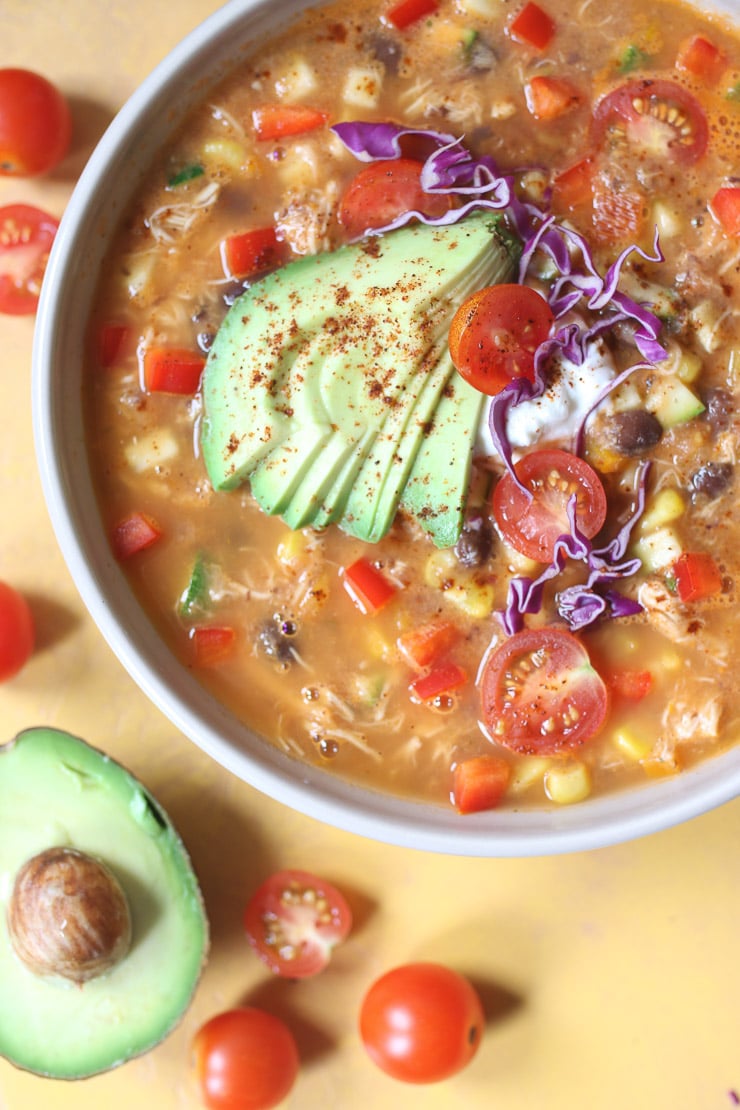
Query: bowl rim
(316,793)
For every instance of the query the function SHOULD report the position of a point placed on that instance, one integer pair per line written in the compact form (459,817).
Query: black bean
(712,479)
(481,58)
(634,432)
(720,406)
(385,49)
(475,543)
(275,643)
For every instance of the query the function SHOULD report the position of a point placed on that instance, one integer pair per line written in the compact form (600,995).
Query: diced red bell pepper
(480,783)
(726,208)
(111,339)
(280,121)
(630,685)
(134,533)
(425,645)
(406,12)
(532,26)
(702,59)
(369,589)
(172,370)
(551,97)
(697,576)
(573,188)
(251,252)
(441,680)
(212,644)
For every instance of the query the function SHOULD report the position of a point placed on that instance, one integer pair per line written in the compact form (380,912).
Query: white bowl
(101,196)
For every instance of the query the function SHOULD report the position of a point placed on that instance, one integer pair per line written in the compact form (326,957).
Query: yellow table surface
(611,980)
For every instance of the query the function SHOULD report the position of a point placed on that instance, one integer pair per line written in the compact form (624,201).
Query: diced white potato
(659,549)
(504,108)
(481,8)
(667,220)
(362,86)
(229,154)
(568,783)
(298,79)
(137,272)
(151,451)
(664,508)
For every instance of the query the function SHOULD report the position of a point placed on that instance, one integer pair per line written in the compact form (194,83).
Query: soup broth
(397,662)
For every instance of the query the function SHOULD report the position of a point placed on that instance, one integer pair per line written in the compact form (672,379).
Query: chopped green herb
(733,93)
(194,599)
(632,58)
(187,173)
(671,584)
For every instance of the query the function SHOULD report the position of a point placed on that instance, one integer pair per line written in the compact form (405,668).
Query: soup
(457,520)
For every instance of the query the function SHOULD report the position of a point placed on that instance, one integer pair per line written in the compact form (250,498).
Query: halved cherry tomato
(367,586)
(702,59)
(252,252)
(726,208)
(421,1022)
(697,576)
(35,123)
(384,190)
(172,369)
(480,783)
(281,121)
(133,534)
(245,1059)
(26,236)
(16,631)
(441,680)
(532,525)
(540,694)
(532,26)
(495,333)
(212,644)
(406,12)
(551,97)
(427,643)
(294,920)
(657,116)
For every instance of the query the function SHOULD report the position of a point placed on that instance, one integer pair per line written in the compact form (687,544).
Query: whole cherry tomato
(16,631)
(244,1059)
(421,1022)
(35,123)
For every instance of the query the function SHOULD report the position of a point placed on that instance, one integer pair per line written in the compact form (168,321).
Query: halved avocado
(76,825)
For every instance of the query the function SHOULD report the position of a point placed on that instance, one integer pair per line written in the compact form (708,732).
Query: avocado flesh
(56,790)
(324,378)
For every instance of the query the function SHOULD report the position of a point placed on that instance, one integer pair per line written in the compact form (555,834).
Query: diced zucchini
(705,319)
(659,549)
(689,367)
(362,86)
(673,402)
(194,600)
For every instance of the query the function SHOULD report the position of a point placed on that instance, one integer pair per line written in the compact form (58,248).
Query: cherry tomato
(26,235)
(294,920)
(384,190)
(495,333)
(540,694)
(421,1022)
(244,1059)
(532,525)
(16,631)
(658,117)
(35,123)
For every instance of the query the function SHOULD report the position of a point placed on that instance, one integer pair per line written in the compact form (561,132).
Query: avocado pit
(68,916)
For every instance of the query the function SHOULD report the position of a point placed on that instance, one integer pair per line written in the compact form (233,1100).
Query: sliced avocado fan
(329,386)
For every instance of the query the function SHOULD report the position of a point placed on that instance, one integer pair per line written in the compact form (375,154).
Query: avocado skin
(329,378)
(55,789)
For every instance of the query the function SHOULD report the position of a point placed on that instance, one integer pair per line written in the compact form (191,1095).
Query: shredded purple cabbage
(451,168)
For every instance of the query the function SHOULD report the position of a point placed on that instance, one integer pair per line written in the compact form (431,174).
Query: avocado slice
(62,799)
(323,381)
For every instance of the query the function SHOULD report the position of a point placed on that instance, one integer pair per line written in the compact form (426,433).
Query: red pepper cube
(369,589)
(172,370)
(480,783)
(134,533)
(533,27)
(406,12)
(725,207)
(697,576)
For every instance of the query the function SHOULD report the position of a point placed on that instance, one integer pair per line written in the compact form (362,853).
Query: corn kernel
(630,744)
(441,567)
(567,784)
(229,154)
(666,506)
(292,547)
(527,772)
